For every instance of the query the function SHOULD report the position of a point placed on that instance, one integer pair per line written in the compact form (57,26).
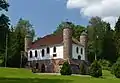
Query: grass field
(8,75)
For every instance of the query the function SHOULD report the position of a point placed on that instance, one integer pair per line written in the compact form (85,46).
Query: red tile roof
(47,40)
(51,40)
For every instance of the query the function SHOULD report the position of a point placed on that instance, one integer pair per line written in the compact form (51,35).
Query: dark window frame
(48,50)
(77,50)
(81,51)
(54,49)
(31,54)
(43,52)
(36,53)
(54,55)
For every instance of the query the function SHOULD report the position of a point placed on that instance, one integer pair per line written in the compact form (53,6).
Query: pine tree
(117,37)
(109,49)
(4,27)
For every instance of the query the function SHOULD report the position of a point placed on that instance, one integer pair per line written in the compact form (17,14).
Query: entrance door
(43,68)
(37,65)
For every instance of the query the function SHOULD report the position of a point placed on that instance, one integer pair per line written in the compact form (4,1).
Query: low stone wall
(54,66)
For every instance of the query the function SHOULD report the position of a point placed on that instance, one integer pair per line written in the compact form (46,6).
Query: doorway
(43,68)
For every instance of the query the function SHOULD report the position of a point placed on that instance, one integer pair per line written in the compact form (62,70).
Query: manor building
(49,53)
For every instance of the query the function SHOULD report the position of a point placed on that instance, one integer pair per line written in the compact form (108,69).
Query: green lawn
(8,75)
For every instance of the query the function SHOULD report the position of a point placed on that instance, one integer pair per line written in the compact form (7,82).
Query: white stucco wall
(75,54)
(59,53)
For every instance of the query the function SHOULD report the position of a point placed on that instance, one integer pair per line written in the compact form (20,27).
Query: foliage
(117,37)
(104,64)
(4,5)
(95,69)
(77,29)
(109,48)
(95,34)
(116,68)
(16,43)
(101,40)
(66,69)
(4,27)
(82,69)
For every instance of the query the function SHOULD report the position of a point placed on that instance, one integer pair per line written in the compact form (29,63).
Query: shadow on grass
(32,80)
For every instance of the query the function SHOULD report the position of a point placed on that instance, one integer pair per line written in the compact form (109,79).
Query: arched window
(77,50)
(54,49)
(43,53)
(79,57)
(30,54)
(81,50)
(36,53)
(48,50)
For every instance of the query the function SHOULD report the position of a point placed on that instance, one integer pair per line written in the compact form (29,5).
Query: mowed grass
(14,75)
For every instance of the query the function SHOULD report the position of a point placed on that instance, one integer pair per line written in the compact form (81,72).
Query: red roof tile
(51,40)
(47,40)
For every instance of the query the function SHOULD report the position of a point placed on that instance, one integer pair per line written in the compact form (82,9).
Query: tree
(96,32)
(16,38)
(4,23)
(4,27)
(109,48)
(4,5)
(95,69)
(116,68)
(77,29)
(104,64)
(66,69)
(117,37)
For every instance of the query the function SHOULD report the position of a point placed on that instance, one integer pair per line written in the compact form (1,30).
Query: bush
(66,69)
(95,69)
(82,69)
(112,68)
(116,68)
(104,64)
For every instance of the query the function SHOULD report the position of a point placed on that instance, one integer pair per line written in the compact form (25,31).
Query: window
(54,55)
(48,50)
(43,53)
(36,53)
(54,49)
(77,50)
(81,50)
(79,57)
(30,54)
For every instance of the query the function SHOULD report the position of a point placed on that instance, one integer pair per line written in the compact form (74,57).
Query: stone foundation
(54,66)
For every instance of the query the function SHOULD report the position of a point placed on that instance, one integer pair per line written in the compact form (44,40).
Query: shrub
(82,69)
(104,64)
(116,68)
(95,69)
(66,69)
